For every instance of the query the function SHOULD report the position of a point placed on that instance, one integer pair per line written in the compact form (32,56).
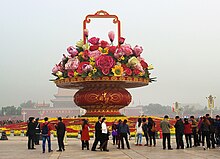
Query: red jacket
(49,127)
(85,133)
(187,128)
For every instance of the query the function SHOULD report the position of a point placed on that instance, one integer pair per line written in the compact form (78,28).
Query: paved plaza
(16,148)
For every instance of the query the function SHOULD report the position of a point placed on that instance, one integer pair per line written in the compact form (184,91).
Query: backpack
(45,130)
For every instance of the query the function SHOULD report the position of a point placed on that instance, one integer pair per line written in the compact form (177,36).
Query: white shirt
(104,128)
(139,129)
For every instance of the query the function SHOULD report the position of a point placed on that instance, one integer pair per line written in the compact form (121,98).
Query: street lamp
(210,99)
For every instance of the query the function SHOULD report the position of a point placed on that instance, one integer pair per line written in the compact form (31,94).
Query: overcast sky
(180,38)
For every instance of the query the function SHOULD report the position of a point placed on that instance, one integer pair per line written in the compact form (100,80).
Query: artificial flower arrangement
(97,58)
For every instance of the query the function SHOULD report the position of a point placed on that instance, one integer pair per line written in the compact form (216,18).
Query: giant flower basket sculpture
(102,71)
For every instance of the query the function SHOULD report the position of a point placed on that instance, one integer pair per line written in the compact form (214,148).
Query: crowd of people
(8,122)
(34,129)
(202,130)
(205,129)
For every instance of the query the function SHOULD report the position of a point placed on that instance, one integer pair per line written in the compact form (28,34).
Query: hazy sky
(181,38)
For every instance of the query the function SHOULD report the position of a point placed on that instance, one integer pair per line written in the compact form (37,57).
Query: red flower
(94,40)
(85,55)
(93,47)
(121,40)
(112,49)
(127,70)
(104,44)
(136,71)
(144,64)
(81,66)
(70,74)
(105,63)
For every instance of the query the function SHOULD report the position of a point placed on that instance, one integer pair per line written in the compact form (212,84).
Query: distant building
(63,106)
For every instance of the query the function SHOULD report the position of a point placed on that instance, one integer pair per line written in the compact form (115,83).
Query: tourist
(165,126)
(124,132)
(37,131)
(118,133)
(179,131)
(104,136)
(114,132)
(31,133)
(98,132)
(45,131)
(217,130)
(61,129)
(139,132)
(151,131)
(212,132)
(199,129)
(205,128)
(85,135)
(195,131)
(145,130)
(188,132)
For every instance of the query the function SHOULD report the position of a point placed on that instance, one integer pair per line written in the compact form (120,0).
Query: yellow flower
(90,74)
(80,43)
(150,67)
(117,70)
(91,59)
(85,46)
(122,58)
(75,73)
(81,53)
(103,51)
(94,70)
(141,74)
(59,74)
(92,63)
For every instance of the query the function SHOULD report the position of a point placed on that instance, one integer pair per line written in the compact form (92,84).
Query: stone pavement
(16,148)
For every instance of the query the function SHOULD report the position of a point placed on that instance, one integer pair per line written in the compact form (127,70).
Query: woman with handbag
(85,135)
(151,131)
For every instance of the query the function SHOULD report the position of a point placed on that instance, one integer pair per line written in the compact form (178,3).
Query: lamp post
(24,114)
(210,99)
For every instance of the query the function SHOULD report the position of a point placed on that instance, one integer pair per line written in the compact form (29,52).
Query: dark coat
(179,127)
(31,129)
(61,128)
(98,129)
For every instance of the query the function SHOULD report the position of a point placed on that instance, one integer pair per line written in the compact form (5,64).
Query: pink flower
(138,50)
(111,36)
(87,68)
(119,53)
(86,32)
(127,70)
(104,44)
(72,51)
(121,40)
(127,49)
(94,40)
(72,64)
(95,54)
(105,63)
(56,68)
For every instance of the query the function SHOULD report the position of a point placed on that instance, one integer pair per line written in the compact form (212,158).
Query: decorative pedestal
(104,95)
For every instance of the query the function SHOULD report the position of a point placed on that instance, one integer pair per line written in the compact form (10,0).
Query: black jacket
(98,129)
(37,127)
(61,128)
(31,129)
(179,127)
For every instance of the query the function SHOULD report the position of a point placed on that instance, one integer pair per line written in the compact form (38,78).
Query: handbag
(114,133)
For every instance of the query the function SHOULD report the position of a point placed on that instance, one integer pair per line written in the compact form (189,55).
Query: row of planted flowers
(74,125)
